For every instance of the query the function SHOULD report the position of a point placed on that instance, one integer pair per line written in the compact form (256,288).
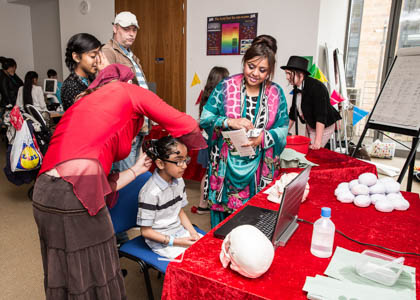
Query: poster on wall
(231,35)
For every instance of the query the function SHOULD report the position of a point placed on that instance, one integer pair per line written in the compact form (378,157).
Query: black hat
(297,63)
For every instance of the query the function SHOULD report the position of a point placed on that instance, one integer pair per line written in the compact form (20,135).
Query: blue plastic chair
(124,217)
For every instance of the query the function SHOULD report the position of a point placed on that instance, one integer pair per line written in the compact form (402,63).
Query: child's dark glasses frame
(179,163)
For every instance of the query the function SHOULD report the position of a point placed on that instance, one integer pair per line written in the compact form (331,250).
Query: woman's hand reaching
(315,146)
(101,61)
(254,141)
(143,164)
(240,123)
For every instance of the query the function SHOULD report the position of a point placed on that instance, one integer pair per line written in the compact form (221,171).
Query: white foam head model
(248,251)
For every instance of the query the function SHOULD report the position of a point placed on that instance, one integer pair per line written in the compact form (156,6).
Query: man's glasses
(179,163)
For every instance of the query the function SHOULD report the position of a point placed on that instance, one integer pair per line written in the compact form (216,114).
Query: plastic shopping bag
(25,154)
(382,150)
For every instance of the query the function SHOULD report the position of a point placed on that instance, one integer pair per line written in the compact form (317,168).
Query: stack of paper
(344,283)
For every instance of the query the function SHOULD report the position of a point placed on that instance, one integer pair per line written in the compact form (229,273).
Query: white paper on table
(239,138)
(384,169)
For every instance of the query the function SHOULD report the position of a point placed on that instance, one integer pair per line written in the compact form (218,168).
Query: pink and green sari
(232,180)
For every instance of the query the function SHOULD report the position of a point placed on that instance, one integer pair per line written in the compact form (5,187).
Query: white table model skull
(248,251)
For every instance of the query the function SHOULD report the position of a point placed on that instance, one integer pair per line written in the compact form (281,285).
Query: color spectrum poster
(231,35)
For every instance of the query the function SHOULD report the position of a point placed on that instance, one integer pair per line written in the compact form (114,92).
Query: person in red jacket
(78,247)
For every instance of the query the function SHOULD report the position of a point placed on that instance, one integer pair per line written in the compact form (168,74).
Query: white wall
(332,28)
(16,36)
(46,38)
(98,21)
(301,27)
(295,36)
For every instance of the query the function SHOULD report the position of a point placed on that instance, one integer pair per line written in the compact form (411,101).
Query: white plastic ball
(377,197)
(341,190)
(392,187)
(362,201)
(360,189)
(384,206)
(345,197)
(343,185)
(385,179)
(353,183)
(393,197)
(368,179)
(401,204)
(377,188)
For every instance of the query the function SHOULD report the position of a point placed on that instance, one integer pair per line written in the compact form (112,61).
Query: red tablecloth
(202,275)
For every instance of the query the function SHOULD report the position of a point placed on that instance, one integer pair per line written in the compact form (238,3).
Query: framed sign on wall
(231,35)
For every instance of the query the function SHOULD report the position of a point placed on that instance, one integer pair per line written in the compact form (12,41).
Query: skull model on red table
(248,251)
(275,193)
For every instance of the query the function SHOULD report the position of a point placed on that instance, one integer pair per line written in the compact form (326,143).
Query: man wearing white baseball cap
(117,50)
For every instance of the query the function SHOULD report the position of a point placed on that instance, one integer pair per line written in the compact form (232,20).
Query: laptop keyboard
(266,224)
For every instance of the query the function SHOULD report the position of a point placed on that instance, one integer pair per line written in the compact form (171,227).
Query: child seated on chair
(164,224)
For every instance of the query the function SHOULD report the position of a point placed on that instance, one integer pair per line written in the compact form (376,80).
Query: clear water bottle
(323,235)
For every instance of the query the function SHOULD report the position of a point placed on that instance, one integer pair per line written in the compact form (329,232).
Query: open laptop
(278,225)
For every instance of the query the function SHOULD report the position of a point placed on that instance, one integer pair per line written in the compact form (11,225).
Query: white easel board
(398,104)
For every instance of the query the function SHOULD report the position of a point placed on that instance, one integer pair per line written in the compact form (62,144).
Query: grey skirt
(79,252)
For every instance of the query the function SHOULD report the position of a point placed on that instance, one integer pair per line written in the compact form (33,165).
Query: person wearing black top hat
(311,103)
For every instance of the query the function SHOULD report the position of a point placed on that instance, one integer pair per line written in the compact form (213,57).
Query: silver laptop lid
(289,208)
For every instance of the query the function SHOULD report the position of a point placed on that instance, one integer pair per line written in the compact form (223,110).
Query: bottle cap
(326,212)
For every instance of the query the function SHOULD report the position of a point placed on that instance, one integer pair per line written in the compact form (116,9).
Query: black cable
(365,244)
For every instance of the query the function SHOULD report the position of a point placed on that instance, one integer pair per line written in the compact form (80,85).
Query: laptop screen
(278,225)
(289,207)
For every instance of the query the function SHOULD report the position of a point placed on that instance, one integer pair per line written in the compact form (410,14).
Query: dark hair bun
(149,147)
(161,148)
(266,40)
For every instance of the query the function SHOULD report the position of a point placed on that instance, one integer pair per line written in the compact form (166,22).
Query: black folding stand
(411,156)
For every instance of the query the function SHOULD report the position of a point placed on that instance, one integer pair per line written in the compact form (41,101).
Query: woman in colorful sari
(249,100)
